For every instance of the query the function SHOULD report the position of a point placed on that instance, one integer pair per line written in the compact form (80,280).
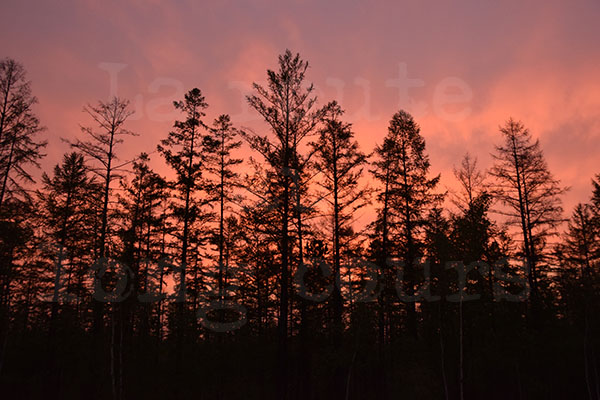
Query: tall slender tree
(289,108)
(341,163)
(19,128)
(65,198)
(218,145)
(402,166)
(530,193)
(581,242)
(100,147)
(142,219)
(596,198)
(182,152)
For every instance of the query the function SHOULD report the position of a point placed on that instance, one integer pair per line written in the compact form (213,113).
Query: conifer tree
(402,168)
(341,164)
(530,193)
(218,145)
(182,152)
(289,108)
(19,128)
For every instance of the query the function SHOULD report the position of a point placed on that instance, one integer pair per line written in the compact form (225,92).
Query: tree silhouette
(19,127)
(531,194)
(289,108)
(182,152)
(65,198)
(402,167)
(255,275)
(218,145)
(341,164)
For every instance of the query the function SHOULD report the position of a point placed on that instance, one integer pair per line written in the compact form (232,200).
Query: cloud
(538,64)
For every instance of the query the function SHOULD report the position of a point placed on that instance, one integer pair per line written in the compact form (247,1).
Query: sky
(462,68)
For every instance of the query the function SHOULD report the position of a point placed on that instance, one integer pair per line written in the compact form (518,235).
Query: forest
(235,276)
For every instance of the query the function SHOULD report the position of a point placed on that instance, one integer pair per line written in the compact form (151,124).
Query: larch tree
(402,166)
(579,256)
(218,145)
(524,184)
(19,127)
(65,198)
(100,148)
(471,180)
(182,150)
(581,243)
(341,164)
(289,108)
(20,149)
(475,235)
(142,220)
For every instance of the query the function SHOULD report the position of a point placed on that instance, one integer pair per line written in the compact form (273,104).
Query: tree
(100,147)
(218,145)
(142,220)
(182,152)
(579,255)
(530,193)
(476,237)
(402,167)
(65,199)
(596,199)
(110,118)
(289,108)
(19,127)
(471,180)
(581,243)
(341,164)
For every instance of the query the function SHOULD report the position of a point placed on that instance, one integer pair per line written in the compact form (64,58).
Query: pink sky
(535,61)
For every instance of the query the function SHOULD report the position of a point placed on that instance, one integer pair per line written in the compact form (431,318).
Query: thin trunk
(221,217)
(383,265)
(526,243)
(282,323)
(7,171)
(5,104)
(184,251)
(112,358)
(120,354)
(410,256)
(461,355)
(63,238)
(442,356)
(337,299)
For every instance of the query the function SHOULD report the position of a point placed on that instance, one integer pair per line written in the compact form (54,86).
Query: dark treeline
(253,278)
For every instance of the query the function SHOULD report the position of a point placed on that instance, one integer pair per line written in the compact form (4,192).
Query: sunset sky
(462,68)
